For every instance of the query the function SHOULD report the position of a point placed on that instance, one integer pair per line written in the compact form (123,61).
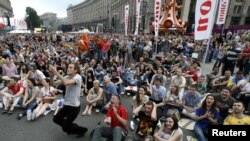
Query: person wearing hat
(11,100)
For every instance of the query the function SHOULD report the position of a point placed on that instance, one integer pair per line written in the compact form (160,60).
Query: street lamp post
(144,12)
(114,24)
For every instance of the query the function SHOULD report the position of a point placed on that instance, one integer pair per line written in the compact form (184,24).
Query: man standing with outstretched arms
(71,108)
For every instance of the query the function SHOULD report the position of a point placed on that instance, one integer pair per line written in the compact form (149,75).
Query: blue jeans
(114,134)
(200,132)
(31,106)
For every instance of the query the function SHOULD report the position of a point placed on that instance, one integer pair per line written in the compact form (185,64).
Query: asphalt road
(43,129)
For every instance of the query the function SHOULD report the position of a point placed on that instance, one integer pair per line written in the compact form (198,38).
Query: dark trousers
(65,118)
(115,134)
(228,65)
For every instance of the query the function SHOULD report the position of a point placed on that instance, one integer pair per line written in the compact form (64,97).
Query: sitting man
(148,121)
(224,103)
(191,101)
(237,117)
(11,100)
(222,81)
(116,118)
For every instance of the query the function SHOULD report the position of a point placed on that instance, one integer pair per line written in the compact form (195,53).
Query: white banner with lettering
(157,16)
(204,18)
(222,13)
(126,19)
(138,9)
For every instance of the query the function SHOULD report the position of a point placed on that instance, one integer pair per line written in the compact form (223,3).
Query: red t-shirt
(15,90)
(122,112)
(195,75)
(245,50)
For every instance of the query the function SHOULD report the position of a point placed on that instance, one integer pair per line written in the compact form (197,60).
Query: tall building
(6,11)
(91,14)
(108,15)
(49,20)
(238,13)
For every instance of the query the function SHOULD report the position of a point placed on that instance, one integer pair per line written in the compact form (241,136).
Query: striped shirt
(233,54)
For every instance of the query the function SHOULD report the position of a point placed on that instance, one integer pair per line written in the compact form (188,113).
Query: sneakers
(33,115)
(19,116)
(5,111)
(29,115)
(11,112)
(46,112)
(132,125)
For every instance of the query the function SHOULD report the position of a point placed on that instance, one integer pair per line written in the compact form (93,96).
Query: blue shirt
(191,100)
(204,123)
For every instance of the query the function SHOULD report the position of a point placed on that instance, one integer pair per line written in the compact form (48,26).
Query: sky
(42,6)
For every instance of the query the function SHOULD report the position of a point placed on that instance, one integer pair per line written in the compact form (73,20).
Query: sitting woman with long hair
(31,98)
(207,114)
(48,93)
(171,101)
(169,131)
(139,99)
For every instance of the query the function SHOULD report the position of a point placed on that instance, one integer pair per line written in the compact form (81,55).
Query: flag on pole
(138,9)
(157,16)
(222,13)
(126,19)
(204,18)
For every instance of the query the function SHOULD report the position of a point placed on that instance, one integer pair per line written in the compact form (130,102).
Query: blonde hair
(96,82)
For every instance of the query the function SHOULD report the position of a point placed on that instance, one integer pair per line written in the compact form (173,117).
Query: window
(247,20)
(235,21)
(237,9)
(248,11)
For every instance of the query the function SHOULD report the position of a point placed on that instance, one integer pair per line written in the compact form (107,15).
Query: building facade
(108,15)
(91,14)
(6,11)
(238,13)
(49,20)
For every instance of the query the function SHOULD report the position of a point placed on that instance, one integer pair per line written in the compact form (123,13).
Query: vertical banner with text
(157,16)
(138,9)
(204,18)
(126,19)
(222,13)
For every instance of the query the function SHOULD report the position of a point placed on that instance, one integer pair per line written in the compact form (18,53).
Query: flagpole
(207,48)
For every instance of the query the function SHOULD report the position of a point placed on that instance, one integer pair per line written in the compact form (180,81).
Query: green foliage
(31,18)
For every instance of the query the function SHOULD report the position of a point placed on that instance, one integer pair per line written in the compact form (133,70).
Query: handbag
(47,101)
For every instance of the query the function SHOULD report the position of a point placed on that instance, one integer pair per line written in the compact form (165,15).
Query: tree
(31,18)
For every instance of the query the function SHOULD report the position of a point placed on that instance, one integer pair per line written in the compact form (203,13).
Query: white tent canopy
(83,31)
(20,31)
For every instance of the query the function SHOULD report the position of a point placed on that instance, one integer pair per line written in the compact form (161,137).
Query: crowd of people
(41,72)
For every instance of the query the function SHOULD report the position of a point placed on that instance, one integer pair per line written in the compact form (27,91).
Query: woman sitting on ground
(172,101)
(32,97)
(169,131)
(207,114)
(49,95)
(139,99)
(94,95)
